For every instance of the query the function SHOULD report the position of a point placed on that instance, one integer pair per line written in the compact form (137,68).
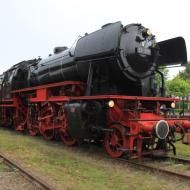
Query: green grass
(183,150)
(77,169)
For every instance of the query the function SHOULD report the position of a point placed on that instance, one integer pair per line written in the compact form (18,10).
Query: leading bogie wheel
(115,141)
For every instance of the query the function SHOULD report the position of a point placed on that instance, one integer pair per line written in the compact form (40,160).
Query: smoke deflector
(172,52)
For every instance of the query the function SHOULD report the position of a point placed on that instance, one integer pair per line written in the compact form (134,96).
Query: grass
(183,150)
(77,169)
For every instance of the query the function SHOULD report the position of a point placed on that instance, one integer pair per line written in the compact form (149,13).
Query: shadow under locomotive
(103,90)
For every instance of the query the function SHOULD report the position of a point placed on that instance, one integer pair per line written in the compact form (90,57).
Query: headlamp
(173,105)
(111,103)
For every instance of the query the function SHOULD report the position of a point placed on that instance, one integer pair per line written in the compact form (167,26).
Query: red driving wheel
(67,139)
(65,136)
(48,134)
(114,141)
(32,127)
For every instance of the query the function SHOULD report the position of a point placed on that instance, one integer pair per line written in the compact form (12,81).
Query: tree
(178,87)
(158,77)
(185,75)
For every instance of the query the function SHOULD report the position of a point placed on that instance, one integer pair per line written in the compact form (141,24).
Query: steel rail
(178,159)
(26,173)
(137,164)
(141,165)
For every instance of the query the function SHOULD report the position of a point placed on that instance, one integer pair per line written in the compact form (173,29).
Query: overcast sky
(32,28)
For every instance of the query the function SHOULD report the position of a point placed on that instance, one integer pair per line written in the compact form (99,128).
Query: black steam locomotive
(120,60)
(102,89)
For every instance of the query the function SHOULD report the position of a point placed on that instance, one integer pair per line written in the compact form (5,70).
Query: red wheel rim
(114,141)
(65,136)
(67,139)
(48,134)
(33,132)
(20,119)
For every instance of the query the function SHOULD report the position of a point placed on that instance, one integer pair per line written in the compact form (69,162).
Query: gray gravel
(12,180)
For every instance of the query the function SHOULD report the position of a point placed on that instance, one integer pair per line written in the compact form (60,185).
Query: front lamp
(173,105)
(111,103)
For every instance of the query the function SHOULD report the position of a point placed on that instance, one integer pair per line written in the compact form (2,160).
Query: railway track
(143,164)
(146,166)
(26,173)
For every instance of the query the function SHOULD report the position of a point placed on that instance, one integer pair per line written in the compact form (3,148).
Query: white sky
(32,28)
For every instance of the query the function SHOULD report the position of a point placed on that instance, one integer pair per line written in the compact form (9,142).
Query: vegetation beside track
(75,169)
(183,150)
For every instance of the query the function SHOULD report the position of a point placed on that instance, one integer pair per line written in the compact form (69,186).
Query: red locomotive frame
(127,118)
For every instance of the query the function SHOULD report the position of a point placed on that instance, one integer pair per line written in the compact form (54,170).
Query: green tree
(165,72)
(185,75)
(159,79)
(178,87)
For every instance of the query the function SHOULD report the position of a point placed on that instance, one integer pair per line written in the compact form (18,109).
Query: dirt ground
(12,180)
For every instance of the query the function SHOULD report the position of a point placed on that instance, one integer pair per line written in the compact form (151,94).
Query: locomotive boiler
(102,89)
(121,60)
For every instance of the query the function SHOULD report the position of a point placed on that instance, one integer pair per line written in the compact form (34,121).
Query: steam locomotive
(102,89)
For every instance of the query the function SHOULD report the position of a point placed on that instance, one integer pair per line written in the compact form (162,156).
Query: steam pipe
(163,89)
